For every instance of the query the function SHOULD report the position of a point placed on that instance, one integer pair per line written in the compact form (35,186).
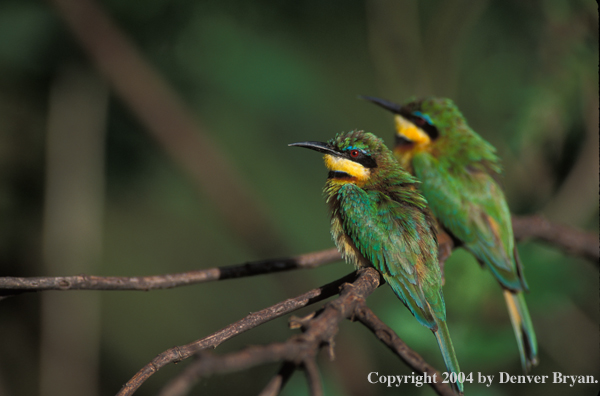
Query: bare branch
(208,363)
(313,378)
(179,353)
(14,285)
(412,359)
(278,381)
(568,239)
(319,331)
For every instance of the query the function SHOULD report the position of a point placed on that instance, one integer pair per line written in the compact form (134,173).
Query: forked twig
(319,329)
(179,353)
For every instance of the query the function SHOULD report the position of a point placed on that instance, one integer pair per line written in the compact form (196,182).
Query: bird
(460,175)
(379,219)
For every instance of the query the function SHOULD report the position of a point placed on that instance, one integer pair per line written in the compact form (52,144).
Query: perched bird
(379,219)
(459,173)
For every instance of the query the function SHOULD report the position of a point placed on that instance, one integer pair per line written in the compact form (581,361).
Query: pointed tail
(519,316)
(445,343)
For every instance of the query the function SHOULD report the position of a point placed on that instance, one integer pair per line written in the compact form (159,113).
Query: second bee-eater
(459,174)
(379,219)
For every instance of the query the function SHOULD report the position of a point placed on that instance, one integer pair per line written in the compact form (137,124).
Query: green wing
(471,205)
(397,239)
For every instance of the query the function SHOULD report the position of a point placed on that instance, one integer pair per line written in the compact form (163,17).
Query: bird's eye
(354,153)
(419,121)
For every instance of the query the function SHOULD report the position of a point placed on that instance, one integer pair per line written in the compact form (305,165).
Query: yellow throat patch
(410,131)
(358,173)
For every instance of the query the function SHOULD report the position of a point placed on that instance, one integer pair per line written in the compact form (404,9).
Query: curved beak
(390,106)
(317,146)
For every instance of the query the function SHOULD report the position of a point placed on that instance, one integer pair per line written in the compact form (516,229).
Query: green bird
(379,219)
(459,173)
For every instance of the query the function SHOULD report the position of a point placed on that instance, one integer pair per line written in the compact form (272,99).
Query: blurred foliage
(260,75)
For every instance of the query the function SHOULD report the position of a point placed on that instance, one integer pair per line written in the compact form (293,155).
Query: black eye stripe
(422,123)
(416,120)
(364,159)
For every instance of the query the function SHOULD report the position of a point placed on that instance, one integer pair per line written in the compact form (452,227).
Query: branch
(179,353)
(14,285)
(312,377)
(320,329)
(279,380)
(412,359)
(568,239)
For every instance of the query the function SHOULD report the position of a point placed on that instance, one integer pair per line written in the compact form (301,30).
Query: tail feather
(523,327)
(445,343)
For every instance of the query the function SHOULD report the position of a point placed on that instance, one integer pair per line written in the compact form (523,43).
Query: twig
(568,239)
(315,387)
(179,353)
(279,380)
(319,331)
(571,240)
(412,359)
(14,285)
(208,363)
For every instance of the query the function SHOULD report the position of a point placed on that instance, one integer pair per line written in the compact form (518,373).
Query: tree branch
(179,353)
(14,285)
(313,378)
(299,349)
(412,359)
(279,380)
(319,329)
(574,241)
(568,239)
(320,325)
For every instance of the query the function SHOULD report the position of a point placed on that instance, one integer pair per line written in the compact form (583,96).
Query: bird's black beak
(317,146)
(390,106)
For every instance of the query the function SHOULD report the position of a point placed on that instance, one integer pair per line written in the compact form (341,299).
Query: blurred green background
(85,188)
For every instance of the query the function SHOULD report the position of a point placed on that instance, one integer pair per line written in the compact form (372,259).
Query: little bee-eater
(379,219)
(459,174)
